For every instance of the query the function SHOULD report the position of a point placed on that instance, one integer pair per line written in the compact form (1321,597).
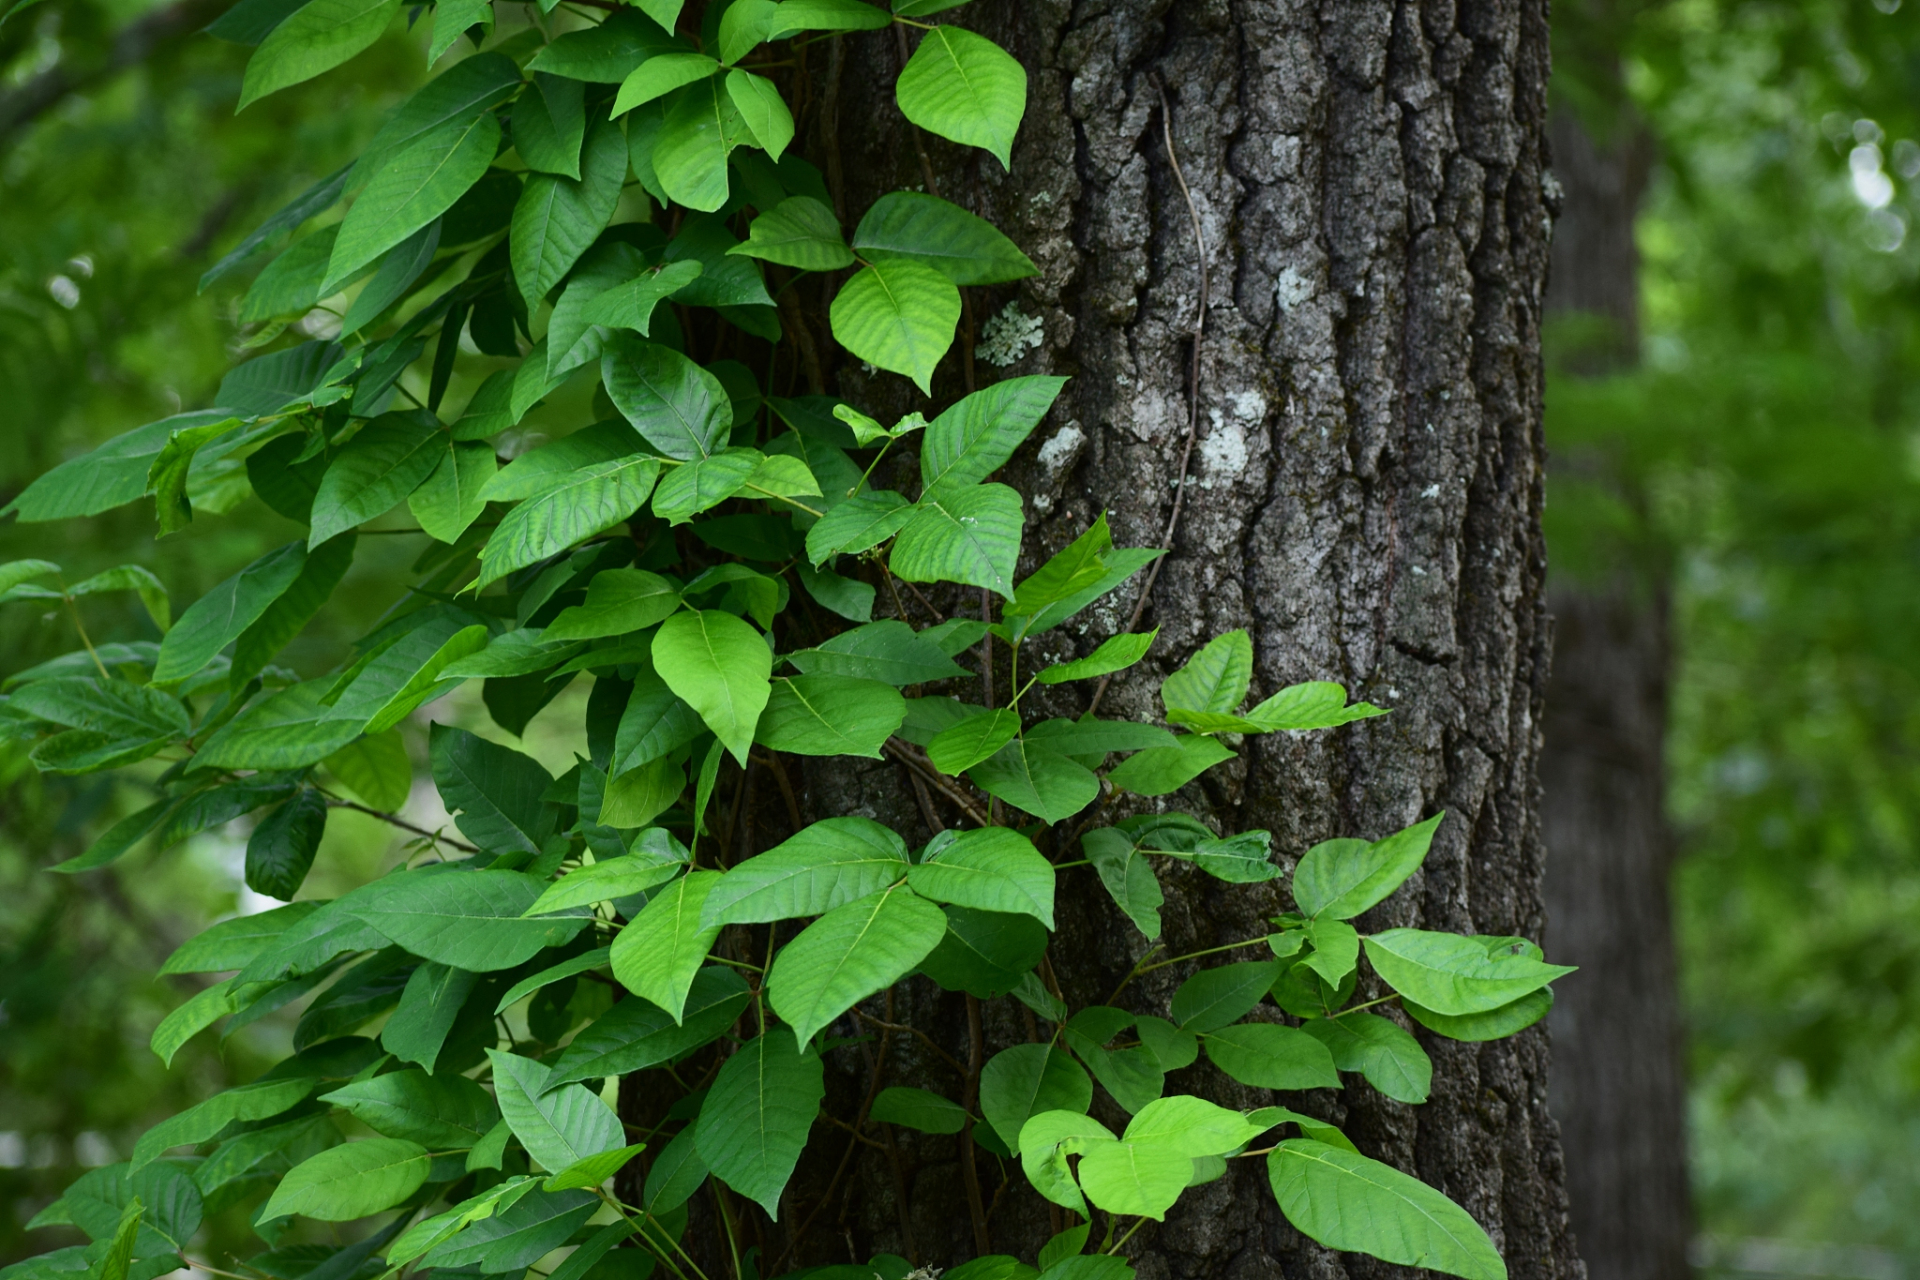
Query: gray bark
(1365,500)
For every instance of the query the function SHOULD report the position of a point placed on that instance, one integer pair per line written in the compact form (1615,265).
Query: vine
(606,206)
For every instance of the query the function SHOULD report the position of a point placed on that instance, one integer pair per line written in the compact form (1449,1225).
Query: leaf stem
(1392,995)
(1130,1234)
(1195,955)
(81,627)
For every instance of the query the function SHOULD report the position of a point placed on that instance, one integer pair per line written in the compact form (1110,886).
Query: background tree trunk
(1365,498)
(1619,1086)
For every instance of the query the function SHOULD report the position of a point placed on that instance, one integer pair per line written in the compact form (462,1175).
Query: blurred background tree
(1735,528)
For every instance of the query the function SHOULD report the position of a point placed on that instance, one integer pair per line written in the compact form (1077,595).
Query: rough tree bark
(1619,1088)
(1365,499)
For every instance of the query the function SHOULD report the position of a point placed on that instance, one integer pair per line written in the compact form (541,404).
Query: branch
(139,40)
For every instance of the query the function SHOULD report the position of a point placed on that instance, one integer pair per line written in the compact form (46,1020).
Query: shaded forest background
(1746,464)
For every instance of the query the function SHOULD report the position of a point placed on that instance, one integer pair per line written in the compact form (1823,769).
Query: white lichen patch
(1223,450)
(1057,456)
(1009,336)
(1291,288)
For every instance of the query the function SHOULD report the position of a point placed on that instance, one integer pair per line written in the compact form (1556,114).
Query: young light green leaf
(1134,1177)
(763,110)
(700,129)
(1320,704)
(959,747)
(586,501)
(823,866)
(1034,779)
(1339,879)
(1456,975)
(603,882)
(1194,1126)
(659,76)
(351,1181)
(898,314)
(1214,679)
(970,536)
(420,183)
(590,1172)
(319,36)
(830,716)
(1336,950)
(850,953)
(1127,876)
(558,1128)
(1266,1056)
(719,666)
(659,952)
(1392,1061)
(1345,1201)
(448,501)
(976,436)
(1494,1024)
(858,523)
(754,1122)
(990,869)
(798,232)
(964,87)
(962,247)
(1160,770)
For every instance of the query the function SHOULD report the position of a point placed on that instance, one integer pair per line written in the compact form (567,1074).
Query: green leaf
(608,53)
(990,869)
(799,232)
(465,90)
(1456,975)
(863,521)
(281,848)
(976,436)
(825,15)
(744,25)
(676,1174)
(1046,1140)
(1193,1126)
(496,791)
(719,666)
(1266,1056)
(826,865)
(351,1181)
(659,76)
(1346,1201)
(1320,704)
(959,747)
(631,305)
(603,882)
(1494,1024)
(1127,877)
(1392,1061)
(964,87)
(1134,1177)
(1160,770)
(887,650)
(284,619)
(1029,1079)
(660,951)
(118,1259)
(697,486)
(450,1112)
(290,284)
(556,219)
(676,406)
(406,674)
(1215,997)
(420,183)
(986,953)
(431,1002)
(1339,879)
(700,129)
(962,247)
(516,1234)
(402,265)
(618,601)
(850,953)
(764,112)
(918,1109)
(217,618)
(381,465)
(897,314)
(1120,565)
(755,1119)
(231,944)
(1214,679)
(635,1034)
(260,1100)
(559,1128)
(970,536)
(448,501)
(1089,737)
(1336,950)
(594,1170)
(579,964)
(591,498)
(466,919)
(318,37)
(830,716)
(110,476)
(282,731)
(1034,779)
(550,124)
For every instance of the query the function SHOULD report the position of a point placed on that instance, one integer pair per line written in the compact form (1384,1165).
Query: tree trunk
(1365,499)
(1619,1086)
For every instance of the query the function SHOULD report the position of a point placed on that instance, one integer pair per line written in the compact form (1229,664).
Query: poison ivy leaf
(603,882)
(1120,565)
(700,129)
(496,791)
(516,1234)
(1027,1080)
(848,597)
(897,314)
(823,866)
(281,848)
(964,87)
(351,1181)
(429,1006)
(631,305)
(448,500)
(975,437)
(446,1111)
(1193,1126)
(260,1100)
(558,1128)
(318,37)
(918,1109)
(1160,770)
(406,674)
(825,15)
(288,613)
(1494,1024)
(618,601)
(1320,704)
(860,522)
(1392,1061)
(1266,1056)
(990,869)
(678,407)
(887,650)
(969,536)
(719,666)
(608,53)
(1215,997)
(591,1172)
(830,716)
(381,465)
(850,953)
(290,284)
(764,112)
(1134,1177)
(1087,739)
(635,1034)
(1214,679)
(677,1173)
(959,747)
(1336,949)
(546,977)
(798,232)
(659,76)
(463,91)
(1036,780)
(698,486)
(744,25)
(467,919)
(1346,1201)
(420,183)
(1127,877)
(591,498)
(660,951)
(754,1121)
(962,247)
(217,618)
(1456,975)
(557,219)
(550,124)
(282,731)
(986,953)
(1339,879)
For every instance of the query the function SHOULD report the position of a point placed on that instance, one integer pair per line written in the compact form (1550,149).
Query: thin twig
(1193,384)
(336,803)
(926,1039)
(908,756)
(970,1099)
